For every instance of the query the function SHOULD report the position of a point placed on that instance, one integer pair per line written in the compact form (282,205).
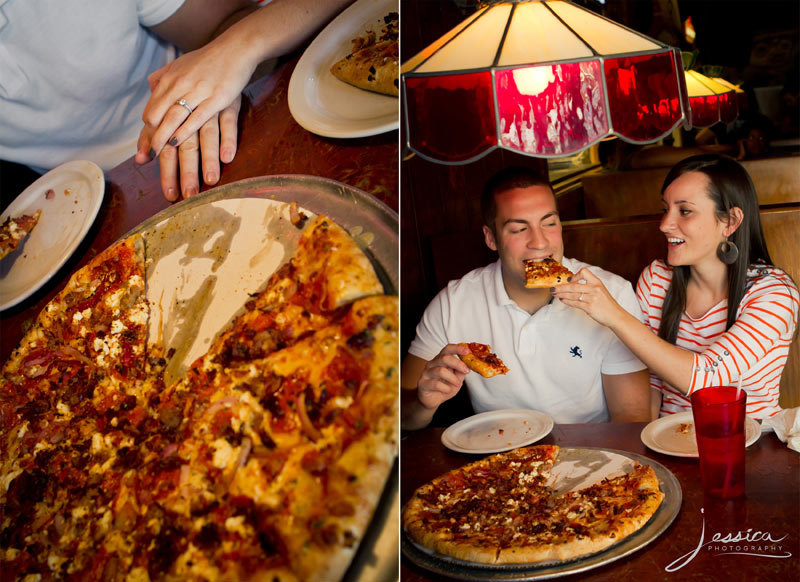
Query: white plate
(65,220)
(497,430)
(662,435)
(323,104)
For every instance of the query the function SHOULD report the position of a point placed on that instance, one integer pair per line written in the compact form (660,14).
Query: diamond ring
(183,103)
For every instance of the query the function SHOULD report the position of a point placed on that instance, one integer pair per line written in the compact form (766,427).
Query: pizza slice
(372,63)
(100,316)
(303,440)
(482,360)
(545,273)
(14,230)
(327,272)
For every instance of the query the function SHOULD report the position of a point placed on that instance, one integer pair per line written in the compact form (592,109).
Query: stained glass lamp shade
(710,101)
(544,78)
(741,96)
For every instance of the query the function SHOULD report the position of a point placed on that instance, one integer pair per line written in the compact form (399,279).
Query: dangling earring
(728,252)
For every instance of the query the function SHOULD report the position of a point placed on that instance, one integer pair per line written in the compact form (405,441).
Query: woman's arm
(768,314)
(212,76)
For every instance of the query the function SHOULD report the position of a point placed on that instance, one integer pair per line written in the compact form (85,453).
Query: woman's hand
(587,293)
(209,79)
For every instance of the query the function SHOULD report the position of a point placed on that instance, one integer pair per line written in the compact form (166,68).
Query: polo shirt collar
(500,294)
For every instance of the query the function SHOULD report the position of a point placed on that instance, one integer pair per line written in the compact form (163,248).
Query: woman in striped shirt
(716,311)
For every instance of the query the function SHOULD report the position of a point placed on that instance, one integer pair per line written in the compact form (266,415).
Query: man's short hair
(504,180)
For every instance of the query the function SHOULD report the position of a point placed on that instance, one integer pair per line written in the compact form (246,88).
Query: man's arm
(198,21)
(628,396)
(425,385)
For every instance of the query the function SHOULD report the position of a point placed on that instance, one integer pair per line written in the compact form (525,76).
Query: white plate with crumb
(497,431)
(69,197)
(674,434)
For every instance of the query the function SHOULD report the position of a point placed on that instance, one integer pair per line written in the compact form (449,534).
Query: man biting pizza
(560,361)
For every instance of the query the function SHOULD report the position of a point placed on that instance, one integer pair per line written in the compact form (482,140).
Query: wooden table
(270,142)
(771,506)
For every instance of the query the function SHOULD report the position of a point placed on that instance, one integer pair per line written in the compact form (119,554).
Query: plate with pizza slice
(497,430)
(674,434)
(66,200)
(328,106)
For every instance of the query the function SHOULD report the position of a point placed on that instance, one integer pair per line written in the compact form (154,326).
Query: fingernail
(189,192)
(226,156)
(211,178)
(151,153)
(173,142)
(171,194)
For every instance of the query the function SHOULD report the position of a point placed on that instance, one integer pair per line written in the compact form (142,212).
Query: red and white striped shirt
(756,346)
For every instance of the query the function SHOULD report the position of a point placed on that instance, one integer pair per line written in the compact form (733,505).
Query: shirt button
(726,352)
(697,368)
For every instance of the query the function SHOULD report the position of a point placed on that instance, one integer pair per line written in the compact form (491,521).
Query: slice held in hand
(545,273)
(482,360)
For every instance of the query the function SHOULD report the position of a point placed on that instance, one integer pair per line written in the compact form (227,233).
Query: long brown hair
(729,186)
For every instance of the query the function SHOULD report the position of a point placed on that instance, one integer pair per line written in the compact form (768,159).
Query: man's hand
(215,142)
(442,377)
(426,385)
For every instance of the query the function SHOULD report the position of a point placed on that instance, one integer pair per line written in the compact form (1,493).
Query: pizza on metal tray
(264,462)
(500,510)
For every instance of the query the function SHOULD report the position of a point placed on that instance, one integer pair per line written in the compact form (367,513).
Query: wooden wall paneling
(637,192)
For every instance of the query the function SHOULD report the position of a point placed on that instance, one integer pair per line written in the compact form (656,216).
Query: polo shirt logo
(576,352)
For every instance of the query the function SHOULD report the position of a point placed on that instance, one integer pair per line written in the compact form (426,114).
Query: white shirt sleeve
(153,12)
(619,359)
(432,329)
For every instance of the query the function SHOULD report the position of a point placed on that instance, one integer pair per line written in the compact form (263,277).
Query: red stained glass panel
(705,110)
(551,110)
(643,95)
(451,118)
(728,110)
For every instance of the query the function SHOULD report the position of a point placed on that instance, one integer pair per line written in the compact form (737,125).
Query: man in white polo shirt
(560,361)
